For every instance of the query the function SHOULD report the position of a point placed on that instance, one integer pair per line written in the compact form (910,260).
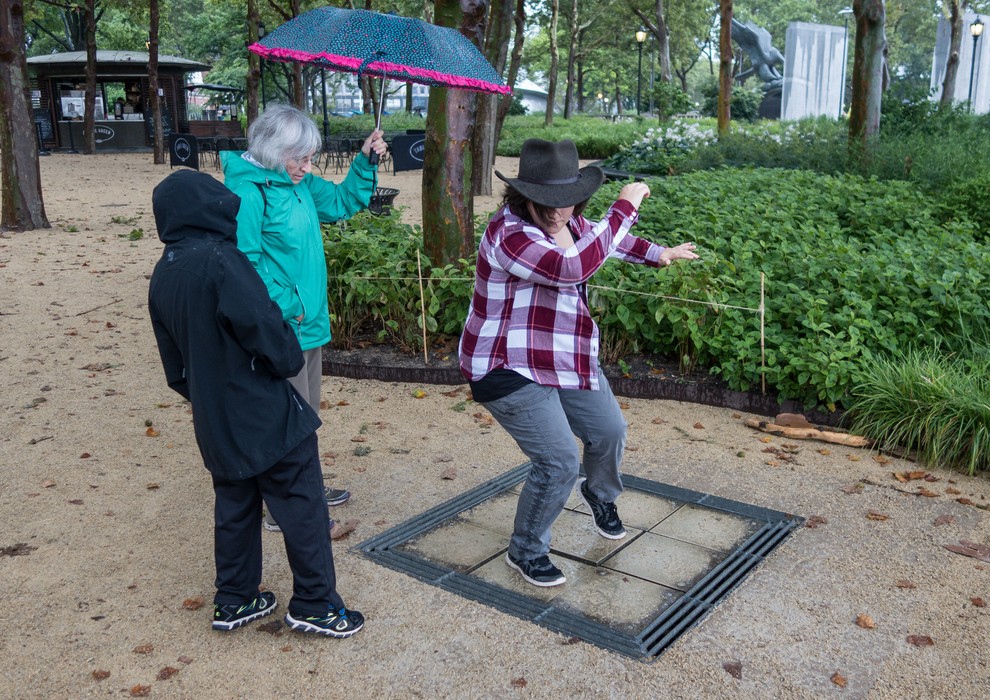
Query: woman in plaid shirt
(530,347)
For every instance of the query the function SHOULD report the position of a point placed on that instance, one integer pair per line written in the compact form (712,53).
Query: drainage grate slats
(654,636)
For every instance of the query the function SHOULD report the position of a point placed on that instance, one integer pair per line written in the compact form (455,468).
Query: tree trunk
(448,207)
(254,62)
(496,49)
(153,98)
(662,35)
(554,62)
(89,109)
(724,66)
(572,52)
(869,67)
(20,177)
(516,58)
(956,10)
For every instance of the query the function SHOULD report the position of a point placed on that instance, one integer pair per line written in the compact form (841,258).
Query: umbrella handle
(373,158)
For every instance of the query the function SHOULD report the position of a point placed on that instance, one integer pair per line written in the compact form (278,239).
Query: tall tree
(253,78)
(657,26)
(154,21)
(869,76)
(499,29)
(554,62)
(20,177)
(724,65)
(448,207)
(953,11)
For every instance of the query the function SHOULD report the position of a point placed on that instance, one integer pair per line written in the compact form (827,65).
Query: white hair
(281,133)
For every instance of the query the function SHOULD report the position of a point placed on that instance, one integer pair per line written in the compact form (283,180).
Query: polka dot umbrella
(382,45)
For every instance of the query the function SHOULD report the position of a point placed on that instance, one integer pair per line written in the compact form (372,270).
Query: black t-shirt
(496,384)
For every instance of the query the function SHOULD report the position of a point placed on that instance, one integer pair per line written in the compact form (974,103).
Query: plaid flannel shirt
(529,312)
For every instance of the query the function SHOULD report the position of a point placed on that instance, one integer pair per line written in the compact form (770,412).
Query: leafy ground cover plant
(930,402)
(855,270)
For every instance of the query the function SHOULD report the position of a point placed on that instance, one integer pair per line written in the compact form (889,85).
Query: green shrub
(594,137)
(744,105)
(930,402)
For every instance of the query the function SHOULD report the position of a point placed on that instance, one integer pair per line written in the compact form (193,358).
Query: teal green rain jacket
(279,232)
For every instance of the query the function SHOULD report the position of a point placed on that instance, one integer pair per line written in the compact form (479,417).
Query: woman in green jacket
(278,227)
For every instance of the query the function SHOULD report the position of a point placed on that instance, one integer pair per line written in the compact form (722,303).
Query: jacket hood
(239,167)
(190,204)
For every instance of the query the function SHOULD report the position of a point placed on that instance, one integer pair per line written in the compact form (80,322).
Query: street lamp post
(845,12)
(976,28)
(261,67)
(640,38)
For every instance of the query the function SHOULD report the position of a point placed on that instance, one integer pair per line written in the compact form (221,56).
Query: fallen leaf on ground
(166,673)
(852,458)
(922,491)
(151,432)
(342,403)
(766,438)
(909,476)
(978,602)
(453,393)
(185,660)
(273,627)
(101,675)
(140,691)
(152,486)
(359,438)
(839,679)
(953,491)
(920,640)
(866,622)
(904,583)
(699,426)
(733,668)
(85,455)
(193,603)
(519,683)
(341,530)
(881,459)
(624,405)
(419,394)
(448,474)
(875,515)
(825,451)
(47,484)
(855,488)
(144,648)
(980,552)
(815,521)
(659,421)
(943,520)
(443,458)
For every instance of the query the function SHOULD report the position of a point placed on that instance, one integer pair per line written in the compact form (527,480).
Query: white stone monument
(971,68)
(814,56)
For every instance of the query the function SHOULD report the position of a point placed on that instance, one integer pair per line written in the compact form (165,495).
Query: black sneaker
(336,623)
(231,616)
(539,571)
(337,497)
(606,518)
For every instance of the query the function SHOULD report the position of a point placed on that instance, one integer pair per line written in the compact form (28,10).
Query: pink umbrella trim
(352,64)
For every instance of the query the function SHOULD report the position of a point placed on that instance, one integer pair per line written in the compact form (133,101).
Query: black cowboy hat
(549,174)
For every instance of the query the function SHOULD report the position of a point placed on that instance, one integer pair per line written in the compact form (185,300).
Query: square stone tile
(499,573)
(496,514)
(714,529)
(624,603)
(458,545)
(665,561)
(574,534)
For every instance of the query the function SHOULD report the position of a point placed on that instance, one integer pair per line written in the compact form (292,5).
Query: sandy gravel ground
(107,526)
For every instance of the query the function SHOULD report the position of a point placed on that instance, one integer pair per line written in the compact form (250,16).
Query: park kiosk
(123,106)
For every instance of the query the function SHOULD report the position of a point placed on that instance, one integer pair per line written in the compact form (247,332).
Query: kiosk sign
(103,133)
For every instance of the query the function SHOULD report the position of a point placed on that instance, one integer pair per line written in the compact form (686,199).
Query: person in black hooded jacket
(226,349)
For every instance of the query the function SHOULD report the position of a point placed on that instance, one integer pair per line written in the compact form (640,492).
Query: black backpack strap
(264,198)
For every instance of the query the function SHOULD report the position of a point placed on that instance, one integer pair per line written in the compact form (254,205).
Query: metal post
(326,126)
(261,67)
(42,151)
(640,38)
(976,28)
(653,60)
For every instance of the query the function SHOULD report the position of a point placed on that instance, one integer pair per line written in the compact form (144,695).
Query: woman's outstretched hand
(684,251)
(634,193)
(375,142)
